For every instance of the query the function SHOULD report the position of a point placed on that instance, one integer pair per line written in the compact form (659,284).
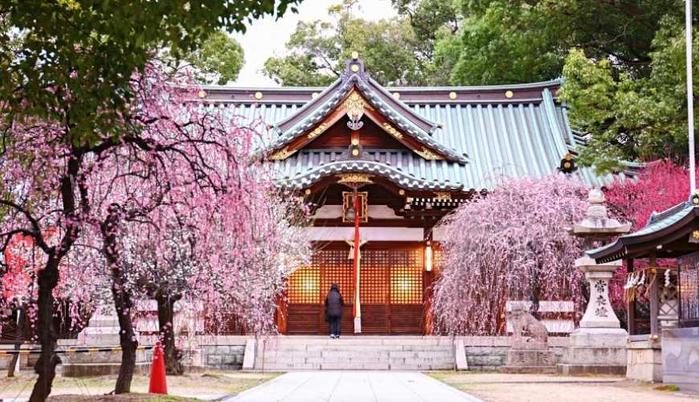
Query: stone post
(598,346)
(599,312)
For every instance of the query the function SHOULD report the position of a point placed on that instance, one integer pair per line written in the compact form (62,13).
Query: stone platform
(102,332)
(530,361)
(595,351)
(355,353)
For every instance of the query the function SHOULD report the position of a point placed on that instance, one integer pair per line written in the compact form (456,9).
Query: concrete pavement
(353,386)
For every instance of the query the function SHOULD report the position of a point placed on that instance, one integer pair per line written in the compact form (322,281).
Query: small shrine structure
(664,344)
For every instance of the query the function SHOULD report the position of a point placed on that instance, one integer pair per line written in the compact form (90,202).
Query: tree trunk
(122,300)
(127,335)
(173,365)
(48,360)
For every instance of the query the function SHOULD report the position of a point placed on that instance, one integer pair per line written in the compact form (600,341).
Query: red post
(158,380)
(355,266)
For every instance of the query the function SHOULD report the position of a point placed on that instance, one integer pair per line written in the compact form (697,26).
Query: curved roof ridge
(526,85)
(382,169)
(354,77)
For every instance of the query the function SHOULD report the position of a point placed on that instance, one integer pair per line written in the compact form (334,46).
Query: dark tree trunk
(122,300)
(166,303)
(48,360)
(127,335)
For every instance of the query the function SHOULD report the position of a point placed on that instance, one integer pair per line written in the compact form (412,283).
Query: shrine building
(379,167)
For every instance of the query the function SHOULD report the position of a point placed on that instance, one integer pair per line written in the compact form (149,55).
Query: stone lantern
(599,344)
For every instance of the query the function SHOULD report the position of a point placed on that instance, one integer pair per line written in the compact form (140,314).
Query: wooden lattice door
(391,290)
(308,287)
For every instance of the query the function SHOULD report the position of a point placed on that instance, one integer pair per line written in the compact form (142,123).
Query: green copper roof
(662,228)
(506,131)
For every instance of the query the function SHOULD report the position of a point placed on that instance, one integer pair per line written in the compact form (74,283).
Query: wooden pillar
(630,304)
(654,298)
(281,312)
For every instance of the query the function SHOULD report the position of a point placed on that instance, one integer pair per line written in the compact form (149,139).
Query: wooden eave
(669,241)
(389,128)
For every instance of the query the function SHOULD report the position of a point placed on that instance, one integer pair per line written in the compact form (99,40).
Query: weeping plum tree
(253,241)
(181,205)
(43,197)
(512,244)
(65,90)
(159,264)
(61,192)
(175,156)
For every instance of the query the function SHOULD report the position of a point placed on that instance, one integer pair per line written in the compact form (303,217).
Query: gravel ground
(498,387)
(206,385)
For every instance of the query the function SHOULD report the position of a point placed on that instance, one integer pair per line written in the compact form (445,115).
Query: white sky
(266,37)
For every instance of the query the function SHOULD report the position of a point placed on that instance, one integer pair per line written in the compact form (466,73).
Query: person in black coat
(333,310)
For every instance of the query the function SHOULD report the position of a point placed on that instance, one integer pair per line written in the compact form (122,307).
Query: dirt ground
(206,385)
(498,387)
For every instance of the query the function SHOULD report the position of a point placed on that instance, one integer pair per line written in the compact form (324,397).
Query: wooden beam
(654,298)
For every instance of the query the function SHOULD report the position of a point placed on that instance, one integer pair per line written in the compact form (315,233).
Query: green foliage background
(622,61)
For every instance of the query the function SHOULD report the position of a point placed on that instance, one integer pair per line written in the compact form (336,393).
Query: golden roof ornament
(354,178)
(442,195)
(282,154)
(354,107)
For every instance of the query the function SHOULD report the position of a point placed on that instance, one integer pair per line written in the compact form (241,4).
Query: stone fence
(227,352)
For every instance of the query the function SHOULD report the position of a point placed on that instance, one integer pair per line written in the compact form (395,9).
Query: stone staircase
(355,353)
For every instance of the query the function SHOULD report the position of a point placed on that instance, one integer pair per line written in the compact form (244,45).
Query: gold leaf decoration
(317,131)
(427,154)
(354,106)
(282,154)
(442,195)
(354,178)
(391,130)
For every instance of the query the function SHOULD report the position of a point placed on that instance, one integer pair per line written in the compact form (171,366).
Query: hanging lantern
(428,257)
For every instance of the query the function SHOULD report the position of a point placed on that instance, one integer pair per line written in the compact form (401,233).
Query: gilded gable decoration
(281,155)
(317,131)
(427,154)
(392,130)
(354,107)
(354,178)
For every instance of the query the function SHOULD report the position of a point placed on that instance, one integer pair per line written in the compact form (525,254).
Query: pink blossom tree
(183,205)
(171,152)
(253,242)
(43,198)
(513,244)
(660,185)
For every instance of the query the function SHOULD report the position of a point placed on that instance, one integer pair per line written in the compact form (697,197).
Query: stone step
(356,353)
(389,359)
(357,348)
(361,340)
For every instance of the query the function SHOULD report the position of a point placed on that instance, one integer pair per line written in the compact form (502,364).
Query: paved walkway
(353,386)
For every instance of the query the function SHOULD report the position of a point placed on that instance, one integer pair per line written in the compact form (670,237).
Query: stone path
(353,386)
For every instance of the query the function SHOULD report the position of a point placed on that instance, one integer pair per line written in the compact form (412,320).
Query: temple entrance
(391,289)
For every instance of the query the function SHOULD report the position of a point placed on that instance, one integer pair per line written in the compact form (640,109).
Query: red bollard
(158,381)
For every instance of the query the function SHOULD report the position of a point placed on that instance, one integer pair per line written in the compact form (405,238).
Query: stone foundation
(680,358)
(223,352)
(644,360)
(595,351)
(530,361)
(490,352)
